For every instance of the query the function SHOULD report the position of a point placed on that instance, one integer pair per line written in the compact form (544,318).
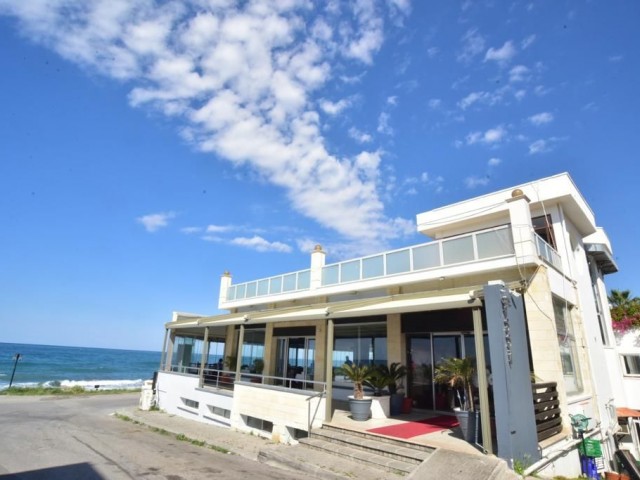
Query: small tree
(458,373)
(358,374)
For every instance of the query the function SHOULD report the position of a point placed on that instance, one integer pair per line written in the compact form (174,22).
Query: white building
(514,278)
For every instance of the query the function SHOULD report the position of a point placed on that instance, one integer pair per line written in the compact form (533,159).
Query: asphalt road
(77,437)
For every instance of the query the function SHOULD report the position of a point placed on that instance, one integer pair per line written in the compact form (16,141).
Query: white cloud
(494,162)
(191,230)
(393,100)
(541,118)
(219,228)
(434,103)
(526,43)
(432,51)
(261,245)
(383,124)
(243,81)
(519,73)
(503,54)
(358,136)
(334,108)
(491,136)
(472,98)
(155,221)
(616,58)
(475,181)
(539,146)
(472,45)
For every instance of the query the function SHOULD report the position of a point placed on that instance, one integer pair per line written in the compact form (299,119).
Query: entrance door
(420,378)
(295,360)
(445,346)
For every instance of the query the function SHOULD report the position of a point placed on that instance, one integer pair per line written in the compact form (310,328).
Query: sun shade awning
(402,303)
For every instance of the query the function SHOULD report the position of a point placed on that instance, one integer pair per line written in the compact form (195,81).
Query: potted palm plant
(458,374)
(396,372)
(359,405)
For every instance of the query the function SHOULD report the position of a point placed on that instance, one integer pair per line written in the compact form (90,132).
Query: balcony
(478,246)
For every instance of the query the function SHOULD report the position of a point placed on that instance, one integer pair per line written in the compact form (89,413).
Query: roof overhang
(401,303)
(602,255)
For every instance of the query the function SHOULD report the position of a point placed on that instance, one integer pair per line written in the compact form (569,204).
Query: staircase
(391,455)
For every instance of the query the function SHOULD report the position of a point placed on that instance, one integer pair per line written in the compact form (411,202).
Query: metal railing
(310,420)
(470,247)
(547,252)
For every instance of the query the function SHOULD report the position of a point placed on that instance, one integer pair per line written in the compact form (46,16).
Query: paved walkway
(295,458)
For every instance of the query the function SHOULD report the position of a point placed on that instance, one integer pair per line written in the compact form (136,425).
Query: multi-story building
(514,279)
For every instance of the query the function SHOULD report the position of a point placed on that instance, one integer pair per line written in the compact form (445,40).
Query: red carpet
(420,427)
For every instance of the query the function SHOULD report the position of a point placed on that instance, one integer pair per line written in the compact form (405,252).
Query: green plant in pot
(359,405)
(378,380)
(395,375)
(458,374)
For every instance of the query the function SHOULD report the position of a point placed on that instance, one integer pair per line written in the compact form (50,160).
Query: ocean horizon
(89,367)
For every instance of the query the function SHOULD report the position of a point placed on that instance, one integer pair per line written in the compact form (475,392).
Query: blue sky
(146,147)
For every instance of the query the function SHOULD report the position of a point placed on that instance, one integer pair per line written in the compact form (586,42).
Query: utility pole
(15,364)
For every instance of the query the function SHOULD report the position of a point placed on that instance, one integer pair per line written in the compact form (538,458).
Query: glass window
(304,280)
(542,226)
(458,250)
(231,293)
(567,344)
(494,243)
(427,256)
(330,275)
(187,352)
(252,348)
(631,364)
(373,267)
(263,287)
(398,262)
(251,289)
(275,285)
(289,282)
(240,289)
(350,271)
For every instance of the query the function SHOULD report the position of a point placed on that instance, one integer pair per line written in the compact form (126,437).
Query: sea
(90,368)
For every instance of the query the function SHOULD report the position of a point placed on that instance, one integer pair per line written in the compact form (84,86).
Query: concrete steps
(375,451)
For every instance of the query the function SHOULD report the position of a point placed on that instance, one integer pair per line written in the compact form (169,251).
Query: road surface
(76,437)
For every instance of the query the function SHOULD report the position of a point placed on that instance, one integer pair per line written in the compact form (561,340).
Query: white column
(225,283)
(317,262)
(522,228)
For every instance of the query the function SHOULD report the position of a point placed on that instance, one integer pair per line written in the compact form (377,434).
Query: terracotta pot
(624,476)
(611,476)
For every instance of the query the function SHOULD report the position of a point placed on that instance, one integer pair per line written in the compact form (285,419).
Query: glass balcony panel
(304,280)
(275,285)
(330,275)
(494,243)
(240,289)
(373,267)
(427,256)
(350,271)
(231,293)
(289,283)
(457,250)
(398,262)
(263,287)
(251,290)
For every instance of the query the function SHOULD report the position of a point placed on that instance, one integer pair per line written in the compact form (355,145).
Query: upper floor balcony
(383,269)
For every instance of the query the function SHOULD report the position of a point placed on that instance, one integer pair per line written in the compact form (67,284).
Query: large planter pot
(360,409)
(468,422)
(395,403)
(380,407)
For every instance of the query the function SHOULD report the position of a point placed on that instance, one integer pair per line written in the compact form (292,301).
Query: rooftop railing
(472,247)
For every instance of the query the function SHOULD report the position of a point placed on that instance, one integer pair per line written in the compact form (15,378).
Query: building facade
(513,279)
